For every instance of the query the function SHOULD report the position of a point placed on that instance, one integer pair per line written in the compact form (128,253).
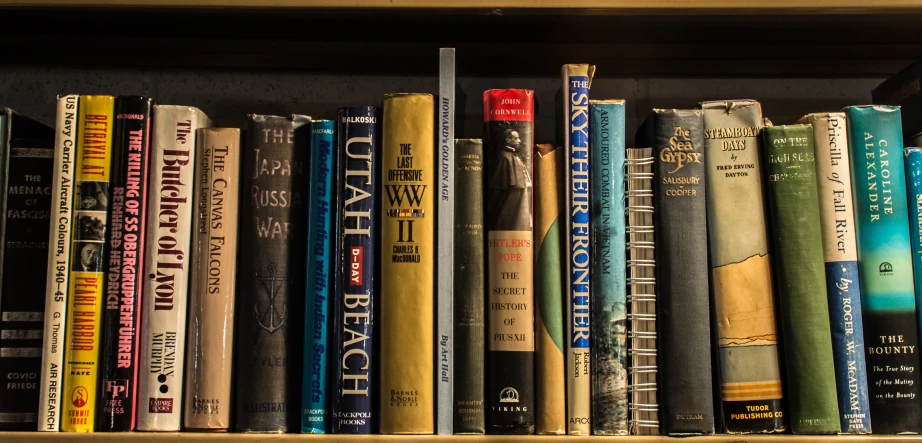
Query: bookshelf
(22,437)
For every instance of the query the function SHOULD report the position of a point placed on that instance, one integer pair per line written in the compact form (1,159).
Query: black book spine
(27,167)
(126,240)
(271,276)
(686,390)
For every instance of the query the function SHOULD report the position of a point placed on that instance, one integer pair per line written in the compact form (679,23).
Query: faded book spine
(741,277)
(840,251)
(169,234)
(609,284)
(355,380)
(87,273)
(270,273)
(469,280)
(125,263)
(212,289)
(790,168)
(444,357)
(510,361)
(51,393)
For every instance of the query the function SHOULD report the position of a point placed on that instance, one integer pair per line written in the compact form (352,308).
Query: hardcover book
(801,280)
(741,279)
(888,301)
(408,265)
(270,274)
(124,262)
(445,305)
(469,283)
(550,291)
(27,161)
(840,252)
(212,289)
(169,233)
(62,202)
(87,287)
(510,361)
(355,379)
(609,266)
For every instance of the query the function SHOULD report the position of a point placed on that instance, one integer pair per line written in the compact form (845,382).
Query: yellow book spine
(407,269)
(86,292)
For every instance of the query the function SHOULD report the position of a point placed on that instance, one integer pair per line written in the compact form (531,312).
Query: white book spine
(446,218)
(169,227)
(50,392)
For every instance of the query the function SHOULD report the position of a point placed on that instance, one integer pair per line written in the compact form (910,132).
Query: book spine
(271,274)
(87,287)
(355,381)
(741,278)
(840,252)
(888,302)
(686,392)
(510,363)
(790,167)
(468,288)
(212,286)
(125,261)
(609,284)
(314,396)
(446,220)
(407,270)
(50,387)
(169,233)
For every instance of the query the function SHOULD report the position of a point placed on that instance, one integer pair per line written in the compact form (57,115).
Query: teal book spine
(885,268)
(320,256)
(913,157)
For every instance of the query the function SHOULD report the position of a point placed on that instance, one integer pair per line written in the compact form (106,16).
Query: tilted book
(87,286)
(407,265)
(888,300)
(609,271)
(903,89)
(51,394)
(741,277)
(445,305)
(212,286)
(550,290)
(840,251)
(125,265)
(354,380)
(26,180)
(270,274)
(793,206)
(469,283)
(509,116)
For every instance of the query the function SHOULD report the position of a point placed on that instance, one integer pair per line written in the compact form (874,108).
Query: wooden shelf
(136,437)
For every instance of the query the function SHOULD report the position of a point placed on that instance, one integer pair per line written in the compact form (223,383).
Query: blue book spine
(914,182)
(609,289)
(354,394)
(885,268)
(315,401)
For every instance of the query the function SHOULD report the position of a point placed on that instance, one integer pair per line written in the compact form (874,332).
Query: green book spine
(790,166)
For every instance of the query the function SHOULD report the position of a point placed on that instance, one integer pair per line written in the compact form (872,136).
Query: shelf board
(138,437)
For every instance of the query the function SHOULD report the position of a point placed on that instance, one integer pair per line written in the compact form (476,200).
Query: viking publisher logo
(356,260)
(886,268)
(160,406)
(508,395)
(117,388)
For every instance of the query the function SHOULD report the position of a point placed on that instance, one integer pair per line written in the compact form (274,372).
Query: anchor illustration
(272,283)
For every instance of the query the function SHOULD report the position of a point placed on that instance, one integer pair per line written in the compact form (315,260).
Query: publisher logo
(160,406)
(79,397)
(508,395)
(116,388)
(356,261)
(886,268)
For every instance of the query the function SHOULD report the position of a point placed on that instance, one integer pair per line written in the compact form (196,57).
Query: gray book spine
(446,221)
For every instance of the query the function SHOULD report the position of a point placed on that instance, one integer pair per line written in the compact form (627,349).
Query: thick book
(270,274)
(840,252)
(793,206)
(509,116)
(469,282)
(212,286)
(51,393)
(903,89)
(444,304)
(124,262)
(169,236)
(888,300)
(354,380)
(87,286)
(550,290)
(407,265)
(315,398)
(741,277)
(609,272)
(27,151)
(683,301)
